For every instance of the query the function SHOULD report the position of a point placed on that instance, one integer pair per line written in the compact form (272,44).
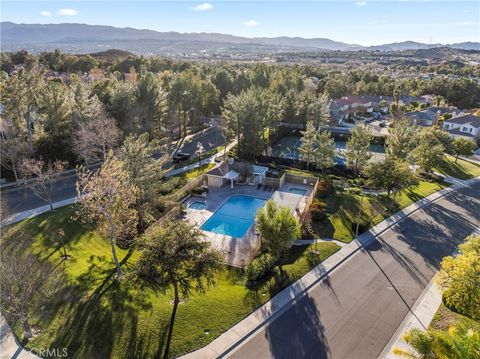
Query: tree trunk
(114,251)
(184,124)
(14,169)
(179,122)
(65,255)
(172,321)
(30,136)
(27,330)
(456,158)
(104,151)
(141,221)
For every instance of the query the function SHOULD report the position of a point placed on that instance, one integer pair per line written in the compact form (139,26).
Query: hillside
(82,38)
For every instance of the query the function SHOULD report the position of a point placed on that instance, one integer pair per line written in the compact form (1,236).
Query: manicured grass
(343,210)
(444,318)
(194,159)
(461,169)
(194,173)
(98,316)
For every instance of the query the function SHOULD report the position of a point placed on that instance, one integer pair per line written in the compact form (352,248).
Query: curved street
(354,312)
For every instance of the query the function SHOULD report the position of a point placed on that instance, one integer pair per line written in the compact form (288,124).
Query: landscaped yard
(343,210)
(445,318)
(462,169)
(97,316)
(194,173)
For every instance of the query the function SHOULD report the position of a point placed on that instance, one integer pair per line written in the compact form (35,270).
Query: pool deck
(241,251)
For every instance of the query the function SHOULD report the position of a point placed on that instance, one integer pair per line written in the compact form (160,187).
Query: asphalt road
(355,311)
(22,199)
(210,140)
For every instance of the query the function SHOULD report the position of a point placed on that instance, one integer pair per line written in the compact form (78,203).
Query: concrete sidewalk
(420,317)
(20,216)
(205,161)
(233,338)
(9,345)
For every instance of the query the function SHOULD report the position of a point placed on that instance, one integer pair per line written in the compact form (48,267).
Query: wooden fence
(274,182)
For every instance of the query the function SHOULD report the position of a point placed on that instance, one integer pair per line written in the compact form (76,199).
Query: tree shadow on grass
(450,168)
(323,228)
(103,306)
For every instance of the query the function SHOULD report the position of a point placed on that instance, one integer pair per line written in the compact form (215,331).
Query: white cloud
(361,3)
(251,23)
(203,7)
(67,12)
(45,13)
(465,23)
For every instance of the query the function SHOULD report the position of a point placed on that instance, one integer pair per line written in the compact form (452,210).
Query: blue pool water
(299,191)
(235,216)
(198,205)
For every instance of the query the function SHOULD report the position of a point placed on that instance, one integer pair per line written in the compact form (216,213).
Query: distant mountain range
(82,38)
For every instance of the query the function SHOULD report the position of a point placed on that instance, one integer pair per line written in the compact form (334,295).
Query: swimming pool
(235,216)
(198,205)
(299,191)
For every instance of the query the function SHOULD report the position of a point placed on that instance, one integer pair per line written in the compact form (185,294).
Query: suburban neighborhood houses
(467,126)
(221,180)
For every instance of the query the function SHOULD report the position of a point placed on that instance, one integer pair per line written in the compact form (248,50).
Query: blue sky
(360,22)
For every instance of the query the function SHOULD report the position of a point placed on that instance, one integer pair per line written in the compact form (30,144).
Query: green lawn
(462,169)
(99,317)
(194,173)
(194,159)
(343,209)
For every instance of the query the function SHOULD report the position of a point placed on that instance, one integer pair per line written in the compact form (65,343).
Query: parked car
(180,156)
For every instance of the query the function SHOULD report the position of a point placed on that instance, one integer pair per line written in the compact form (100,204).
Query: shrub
(362,227)
(260,267)
(430,177)
(317,210)
(324,188)
(197,190)
(354,191)
(171,185)
(126,235)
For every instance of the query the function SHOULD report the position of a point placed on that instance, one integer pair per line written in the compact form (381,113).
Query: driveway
(354,312)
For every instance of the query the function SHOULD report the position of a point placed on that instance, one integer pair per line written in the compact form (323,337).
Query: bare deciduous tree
(107,198)
(94,138)
(40,177)
(26,284)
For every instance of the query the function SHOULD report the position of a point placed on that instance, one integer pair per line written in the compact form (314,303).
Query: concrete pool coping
(239,252)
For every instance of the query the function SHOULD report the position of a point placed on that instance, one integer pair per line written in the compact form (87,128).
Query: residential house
(467,126)
(424,118)
(352,106)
